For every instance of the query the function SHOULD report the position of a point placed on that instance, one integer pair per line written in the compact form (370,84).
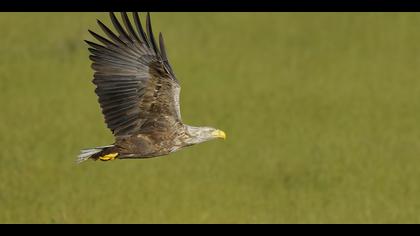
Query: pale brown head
(203,134)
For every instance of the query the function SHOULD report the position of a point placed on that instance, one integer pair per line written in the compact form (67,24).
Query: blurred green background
(321,110)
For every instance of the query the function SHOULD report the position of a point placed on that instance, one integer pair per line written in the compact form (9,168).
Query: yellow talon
(108,157)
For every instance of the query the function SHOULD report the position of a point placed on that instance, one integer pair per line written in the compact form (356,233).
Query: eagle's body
(139,95)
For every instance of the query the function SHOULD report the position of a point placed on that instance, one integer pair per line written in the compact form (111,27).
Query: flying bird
(138,93)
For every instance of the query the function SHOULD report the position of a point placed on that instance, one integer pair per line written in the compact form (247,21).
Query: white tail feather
(85,154)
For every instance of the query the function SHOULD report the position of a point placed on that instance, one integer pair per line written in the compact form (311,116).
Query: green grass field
(321,110)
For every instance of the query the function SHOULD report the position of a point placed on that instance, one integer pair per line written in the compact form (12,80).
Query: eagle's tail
(104,153)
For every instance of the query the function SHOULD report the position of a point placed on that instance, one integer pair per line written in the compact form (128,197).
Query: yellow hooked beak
(219,134)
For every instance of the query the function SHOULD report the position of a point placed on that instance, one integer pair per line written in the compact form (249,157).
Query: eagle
(138,94)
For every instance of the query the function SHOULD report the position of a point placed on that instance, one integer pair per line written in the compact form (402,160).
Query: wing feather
(129,27)
(119,28)
(150,34)
(140,29)
(134,82)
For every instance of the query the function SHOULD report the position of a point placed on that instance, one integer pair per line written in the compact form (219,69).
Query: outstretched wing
(135,82)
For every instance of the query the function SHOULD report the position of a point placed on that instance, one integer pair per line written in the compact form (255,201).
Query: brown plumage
(139,94)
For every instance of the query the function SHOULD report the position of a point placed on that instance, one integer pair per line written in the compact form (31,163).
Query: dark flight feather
(134,82)
(164,55)
(129,27)
(140,28)
(111,34)
(151,36)
(119,28)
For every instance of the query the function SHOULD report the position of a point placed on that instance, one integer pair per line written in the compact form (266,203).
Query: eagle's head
(202,134)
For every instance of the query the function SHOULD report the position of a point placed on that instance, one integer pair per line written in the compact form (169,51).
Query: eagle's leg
(108,157)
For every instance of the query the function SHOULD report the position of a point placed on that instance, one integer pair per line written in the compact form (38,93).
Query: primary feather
(132,82)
